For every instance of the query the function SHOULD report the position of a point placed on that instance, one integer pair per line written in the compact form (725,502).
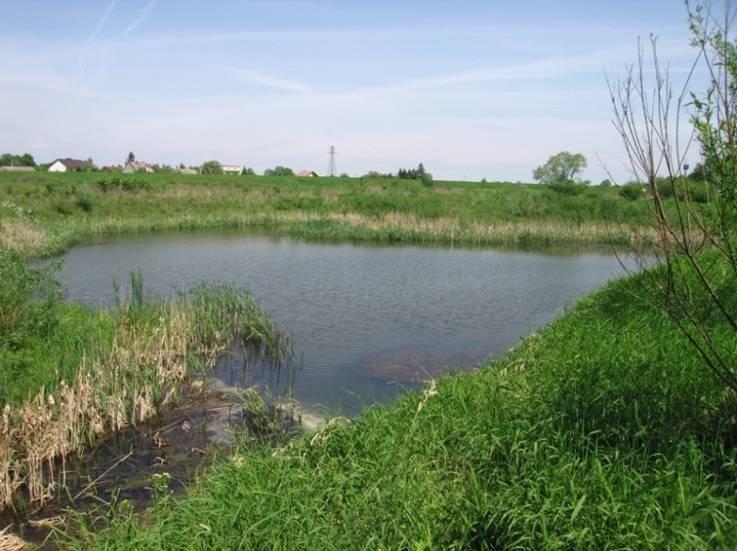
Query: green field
(604,431)
(43,213)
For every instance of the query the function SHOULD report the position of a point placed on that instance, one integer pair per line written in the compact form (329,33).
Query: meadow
(45,213)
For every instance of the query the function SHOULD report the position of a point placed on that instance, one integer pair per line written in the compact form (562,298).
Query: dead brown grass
(108,394)
(20,236)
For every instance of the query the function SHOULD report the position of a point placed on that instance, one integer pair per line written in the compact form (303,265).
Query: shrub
(28,300)
(632,191)
(567,188)
(131,185)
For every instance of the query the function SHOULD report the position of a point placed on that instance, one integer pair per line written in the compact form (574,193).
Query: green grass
(604,431)
(43,213)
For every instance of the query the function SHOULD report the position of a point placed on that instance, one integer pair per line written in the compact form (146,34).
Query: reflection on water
(366,321)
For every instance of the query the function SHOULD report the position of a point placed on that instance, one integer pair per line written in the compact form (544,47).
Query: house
(137,166)
(67,165)
(231,169)
(307,174)
(187,171)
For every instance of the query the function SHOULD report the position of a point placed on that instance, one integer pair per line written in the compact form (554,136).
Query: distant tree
(606,183)
(131,158)
(424,176)
(483,181)
(27,160)
(279,171)
(632,191)
(698,174)
(561,168)
(9,159)
(248,172)
(211,167)
(89,165)
(344,175)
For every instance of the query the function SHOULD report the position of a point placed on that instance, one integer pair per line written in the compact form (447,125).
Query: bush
(28,300)
(567,188)
(683,189)
(130,185)
(632,191)
(84,201)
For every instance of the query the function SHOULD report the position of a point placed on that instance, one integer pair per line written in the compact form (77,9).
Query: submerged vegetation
(44,213)
(69,374)
(590,434)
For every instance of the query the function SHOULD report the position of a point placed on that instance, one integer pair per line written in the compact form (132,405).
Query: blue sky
(472,89)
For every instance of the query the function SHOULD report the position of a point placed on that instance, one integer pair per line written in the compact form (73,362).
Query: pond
(366,321)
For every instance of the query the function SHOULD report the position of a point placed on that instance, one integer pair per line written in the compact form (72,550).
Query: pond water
(366,321)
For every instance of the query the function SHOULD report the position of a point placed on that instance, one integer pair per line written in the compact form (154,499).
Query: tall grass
(601,432)
(69,373)
(43,213)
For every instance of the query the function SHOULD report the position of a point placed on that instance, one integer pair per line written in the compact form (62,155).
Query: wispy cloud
(96,31)
(101,22)
(270,81)
(142,16)
(594,62)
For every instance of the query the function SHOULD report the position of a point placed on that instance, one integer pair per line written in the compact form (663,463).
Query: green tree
(131,157)
(561,168)
(279,171)
(9,159)
(211,167)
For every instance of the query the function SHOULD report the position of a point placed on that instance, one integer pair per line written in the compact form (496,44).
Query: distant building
(307,174)
(17,169)
(187,171)
(137,166)
(231,169)
(67,165)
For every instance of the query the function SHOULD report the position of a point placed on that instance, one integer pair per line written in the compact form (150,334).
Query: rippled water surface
(366,321)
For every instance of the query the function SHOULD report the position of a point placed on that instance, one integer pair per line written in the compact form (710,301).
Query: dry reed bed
(359,226)
(33,240)
(21,236)
(142,371)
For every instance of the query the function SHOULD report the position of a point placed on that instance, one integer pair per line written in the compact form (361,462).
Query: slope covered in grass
(604,431)
(42,213)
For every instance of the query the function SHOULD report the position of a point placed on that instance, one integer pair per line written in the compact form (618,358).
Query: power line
(331,166)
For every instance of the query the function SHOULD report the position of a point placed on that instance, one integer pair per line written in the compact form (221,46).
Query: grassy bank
(602,432)
(44,213)
(69,374)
